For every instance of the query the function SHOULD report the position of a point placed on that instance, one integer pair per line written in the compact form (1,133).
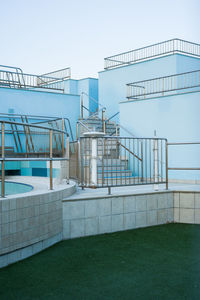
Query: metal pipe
(3,161)
(50,156)
(166,161)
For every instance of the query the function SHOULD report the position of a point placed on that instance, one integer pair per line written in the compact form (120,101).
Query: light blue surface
(12,188)
(41,103)
(173,117)
(112,83)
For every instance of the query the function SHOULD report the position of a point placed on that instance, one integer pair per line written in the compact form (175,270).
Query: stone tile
(91,208)
(13,215)
(197,200)
(197,216)
(14,256)
(117,205)
(74,210)
(5,229)
(162,201)
(26,252)
(13,204)
(186,200)
(170,215)
(152,202)
(37,247)
(141,203)
(176,200)
(129,221)
(162,216)
(104,224)
(105,207)
(5,217)
(117,223)
(5,205)
(3,260)
(186,215)
(152,217)
(141,219)
(129,204)
(91,226)
(0,206)
(170,197)
(77,228)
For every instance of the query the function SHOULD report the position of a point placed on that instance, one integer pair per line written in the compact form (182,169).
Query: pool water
(12,188)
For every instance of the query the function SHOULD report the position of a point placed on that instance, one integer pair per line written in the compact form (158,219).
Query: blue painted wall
(173,117)
(41,103)
(89,86)
(112,83)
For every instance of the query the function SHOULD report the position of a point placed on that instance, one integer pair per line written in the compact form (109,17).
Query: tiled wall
(187,207)
(110,214)
(29,224)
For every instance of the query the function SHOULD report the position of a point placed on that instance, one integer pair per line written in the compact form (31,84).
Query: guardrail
(156,50)
(178,168)
(27,81)
(121,161)
(164,86)
(35,142)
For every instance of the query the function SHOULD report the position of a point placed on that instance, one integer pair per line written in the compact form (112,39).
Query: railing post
(63,138)
(3,161)
(102,119)
(26,141)
(67,156)
(51,155)
(166,158)
(156,175)
(82,106)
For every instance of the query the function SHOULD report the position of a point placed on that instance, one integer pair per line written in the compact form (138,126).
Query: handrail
(155,50)
(112,117)
(129,151)
(162,86)
(62,71)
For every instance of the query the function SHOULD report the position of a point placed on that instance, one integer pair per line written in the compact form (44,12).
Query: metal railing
(28,81)
(61,74)
(121,161)
(176,168)
(156,50)
(37,143)
(164,86)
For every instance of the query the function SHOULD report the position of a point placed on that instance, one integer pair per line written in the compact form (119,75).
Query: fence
(30,142)
(164,86)
(178,168)
(156,50)
(27,81)
(120,161)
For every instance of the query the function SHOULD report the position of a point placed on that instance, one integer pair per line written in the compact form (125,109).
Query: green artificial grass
(161,262)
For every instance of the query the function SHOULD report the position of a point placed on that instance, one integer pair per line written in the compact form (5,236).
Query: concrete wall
(41,103)
(112,83)
(30,223)
(173,117)
(187,207)
(110,214)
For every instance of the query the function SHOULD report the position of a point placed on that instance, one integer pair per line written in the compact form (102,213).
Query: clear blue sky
(44,35)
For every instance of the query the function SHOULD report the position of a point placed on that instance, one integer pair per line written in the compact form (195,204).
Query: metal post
(51,155)
(77,131)
(102,120)
(63,138)
(109,190)
(3,161)
(94,162)
(156,164)
(67,156)
(166,153)
(26,142)
(82,106)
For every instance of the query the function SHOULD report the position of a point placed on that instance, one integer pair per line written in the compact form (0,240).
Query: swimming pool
(12,188)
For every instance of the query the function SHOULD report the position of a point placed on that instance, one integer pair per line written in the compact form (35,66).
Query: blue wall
(112,83)
(85,85)
(173,117)
(41,103)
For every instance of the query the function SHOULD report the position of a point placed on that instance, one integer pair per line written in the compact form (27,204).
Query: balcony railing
(18,79)
(164,86)
(160,49)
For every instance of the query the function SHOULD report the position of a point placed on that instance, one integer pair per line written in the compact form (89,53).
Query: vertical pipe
(67,156)
(26,142)
(166,158)
(142,171)
(102,120)
(3,161)
(82,106)
(63,138)
(51,162)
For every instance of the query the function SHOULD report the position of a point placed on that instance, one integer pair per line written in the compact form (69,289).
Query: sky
(45,35)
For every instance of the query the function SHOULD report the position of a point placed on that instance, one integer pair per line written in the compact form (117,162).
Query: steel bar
(3,160)
(50,156)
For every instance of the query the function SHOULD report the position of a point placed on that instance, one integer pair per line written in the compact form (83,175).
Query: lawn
(161,262)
